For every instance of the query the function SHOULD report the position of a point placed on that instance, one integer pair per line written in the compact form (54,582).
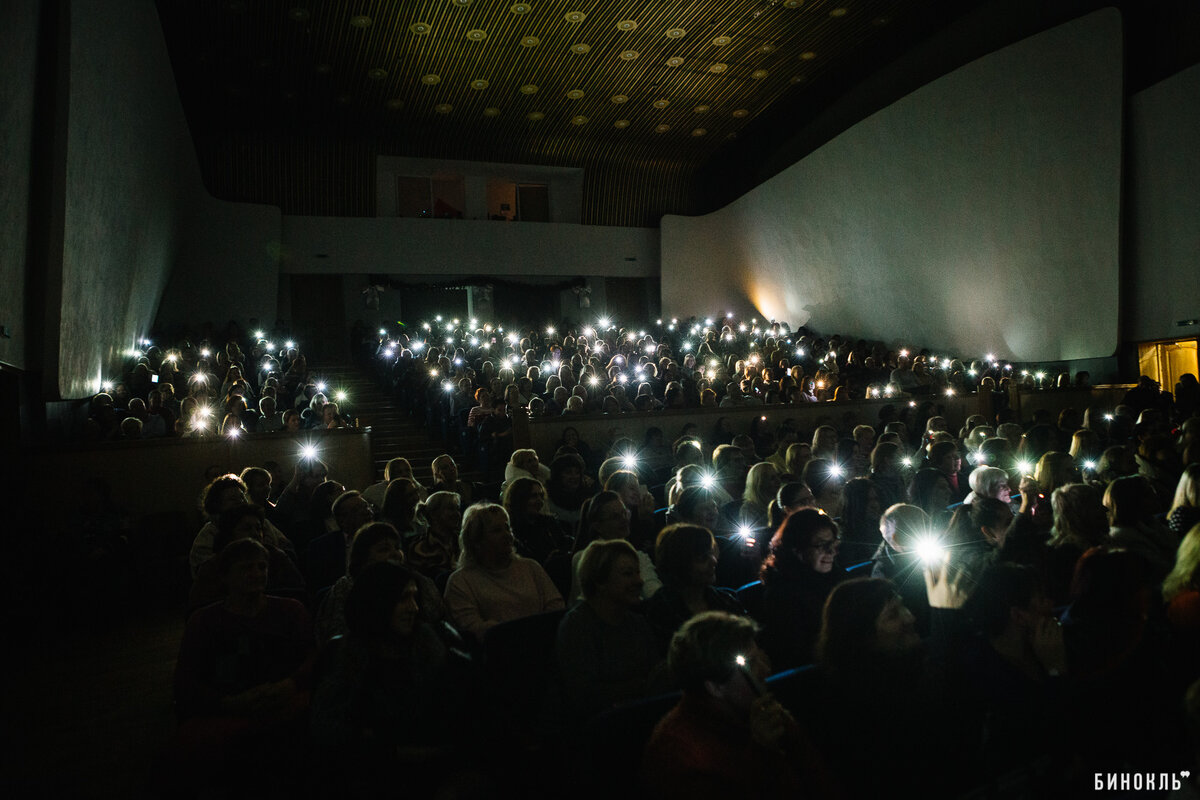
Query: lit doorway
(1167,361)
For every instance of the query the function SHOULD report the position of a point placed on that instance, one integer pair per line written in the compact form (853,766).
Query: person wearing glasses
(798,574)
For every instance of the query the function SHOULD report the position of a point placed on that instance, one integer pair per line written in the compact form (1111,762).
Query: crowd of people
(1010,606)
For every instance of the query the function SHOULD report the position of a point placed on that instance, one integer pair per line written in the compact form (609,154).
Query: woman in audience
(243,521)
(538,535)
(860,521)
(827,482)
(568,488)
(798,455)
(493,584)
(401,503)
(886,473)
(640,504)
(686,557)
(397,691)
(605,516)
(221,494)
(1132,525)
(762,484)
(373,543)
(436,552)
(243,670)
(605,651)
(1181,591)
(798,575)
(930,491)
(990,482)
(1080,523)
(791,496)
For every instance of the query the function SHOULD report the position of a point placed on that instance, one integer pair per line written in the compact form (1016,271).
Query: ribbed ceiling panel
(455,79)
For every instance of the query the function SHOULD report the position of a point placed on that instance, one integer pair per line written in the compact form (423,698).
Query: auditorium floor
(88,709)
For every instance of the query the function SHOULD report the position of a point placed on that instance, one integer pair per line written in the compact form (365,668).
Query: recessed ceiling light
(360,21)
(619,98)
(766,47)
(721,41)
(521,8)
(534,116)
(792,3)
(759,74)
(676,33)
(299,14)
(662,128)
(575,94)
(395,104)
(491,111)
(378,73)
(838,12)
(629,55)
(461,3)
(796,79)
(575,16)
(699,132)
(529,88)
(741,112)
(700,109)
(674,61)
(621,123)
(808,55)
(477,35)
(627,25)
(580,49)
(443,108)
(420,28)
(431,79)
(579,120)
(662,102)
(479,83)
(718,67)
(530,41)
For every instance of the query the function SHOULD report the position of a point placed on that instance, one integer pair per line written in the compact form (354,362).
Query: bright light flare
(930,551)
(340,396)
(308,452)
(1025,467)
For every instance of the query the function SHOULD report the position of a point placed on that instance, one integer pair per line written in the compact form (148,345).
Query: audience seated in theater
(244,521)
(568,488)
(326,555)
(686,557)
(393,469)
(605,651)
(221,494)
(242,678)
(493,584)
(372,543)
(445,479)
(538,535)
(393,706)
(797,577)
(726,738)
(437,551)
(605,516)
(292,506)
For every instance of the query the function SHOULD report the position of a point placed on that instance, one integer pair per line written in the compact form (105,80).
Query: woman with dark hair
(827,481)
(686,557)
(568,488)
(797,576)
(401,500)
(373,543)
(930,491)
(539,535)
(860,520)
(395,689)
(886,473)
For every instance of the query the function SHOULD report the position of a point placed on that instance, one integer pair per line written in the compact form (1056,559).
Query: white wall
(1164,188)
(961,215)
(403,246)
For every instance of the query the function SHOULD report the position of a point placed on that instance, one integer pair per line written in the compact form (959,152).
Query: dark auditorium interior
(336,245)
